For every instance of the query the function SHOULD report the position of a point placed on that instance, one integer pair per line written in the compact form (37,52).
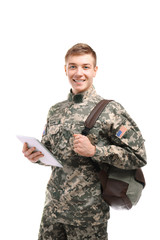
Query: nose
(79,71)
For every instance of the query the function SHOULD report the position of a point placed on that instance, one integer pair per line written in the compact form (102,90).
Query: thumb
(76,134)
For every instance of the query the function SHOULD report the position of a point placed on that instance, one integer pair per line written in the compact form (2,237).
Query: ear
(95,70)
(65,69)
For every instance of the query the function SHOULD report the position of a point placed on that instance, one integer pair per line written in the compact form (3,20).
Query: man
(74,208)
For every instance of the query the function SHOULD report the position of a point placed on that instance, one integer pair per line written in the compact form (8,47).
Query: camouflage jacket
(73,194)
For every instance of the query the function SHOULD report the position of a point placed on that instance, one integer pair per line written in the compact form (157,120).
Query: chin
(79,90)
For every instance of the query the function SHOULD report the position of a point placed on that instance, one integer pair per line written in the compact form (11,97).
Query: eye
(72,67)
(86,67)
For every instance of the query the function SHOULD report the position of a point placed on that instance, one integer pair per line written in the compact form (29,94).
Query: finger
(35,156)
(35,159)
(76,149)
(78,139)
(25,147)
(75,142)
(29,151)
(76,136)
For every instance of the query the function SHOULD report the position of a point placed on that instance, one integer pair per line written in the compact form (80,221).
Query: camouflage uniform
(73,194)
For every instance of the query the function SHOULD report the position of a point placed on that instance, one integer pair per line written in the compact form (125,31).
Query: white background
(34,37)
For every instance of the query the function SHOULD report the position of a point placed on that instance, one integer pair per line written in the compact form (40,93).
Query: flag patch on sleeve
(121,131)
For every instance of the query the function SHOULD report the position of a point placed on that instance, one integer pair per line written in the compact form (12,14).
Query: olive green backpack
(121,189)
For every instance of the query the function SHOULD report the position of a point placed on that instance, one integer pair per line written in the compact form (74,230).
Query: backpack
(121,189)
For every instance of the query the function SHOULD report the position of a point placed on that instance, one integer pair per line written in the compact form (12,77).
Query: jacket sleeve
(122,144)
(45,136)
(45,139)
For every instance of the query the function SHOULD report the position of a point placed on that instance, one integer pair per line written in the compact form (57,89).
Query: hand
(83,146)
(31,154)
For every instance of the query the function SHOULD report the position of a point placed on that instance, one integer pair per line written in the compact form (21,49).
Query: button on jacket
(73,194)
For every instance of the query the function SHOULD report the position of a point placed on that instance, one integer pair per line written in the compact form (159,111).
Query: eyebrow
(82,64)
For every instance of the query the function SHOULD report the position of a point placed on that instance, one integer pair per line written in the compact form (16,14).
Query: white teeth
(79,80)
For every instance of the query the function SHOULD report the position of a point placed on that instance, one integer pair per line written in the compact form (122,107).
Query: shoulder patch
(121,131)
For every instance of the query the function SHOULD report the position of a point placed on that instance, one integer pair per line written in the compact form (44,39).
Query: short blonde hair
(80,49)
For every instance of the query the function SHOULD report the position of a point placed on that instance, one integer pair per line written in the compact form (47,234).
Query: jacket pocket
(54,126)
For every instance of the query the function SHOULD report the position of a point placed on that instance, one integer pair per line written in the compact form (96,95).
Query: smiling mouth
(78,81)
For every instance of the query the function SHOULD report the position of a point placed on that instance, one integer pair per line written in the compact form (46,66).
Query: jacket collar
(80,97)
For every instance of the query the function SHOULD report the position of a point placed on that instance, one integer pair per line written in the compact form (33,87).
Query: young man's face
(80,70)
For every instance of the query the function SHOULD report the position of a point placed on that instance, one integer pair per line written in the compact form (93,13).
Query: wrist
(93,151)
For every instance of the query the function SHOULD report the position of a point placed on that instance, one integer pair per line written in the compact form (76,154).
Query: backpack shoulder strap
(94,115)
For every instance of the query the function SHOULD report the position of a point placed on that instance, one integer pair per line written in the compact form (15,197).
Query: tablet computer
(48,158)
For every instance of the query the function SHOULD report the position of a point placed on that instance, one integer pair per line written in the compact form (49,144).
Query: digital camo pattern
(73,194)
(59,231)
